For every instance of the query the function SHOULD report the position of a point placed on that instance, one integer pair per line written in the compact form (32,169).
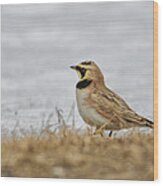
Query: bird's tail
(149,123)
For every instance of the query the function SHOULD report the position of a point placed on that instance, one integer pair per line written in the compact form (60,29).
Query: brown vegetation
(70,154)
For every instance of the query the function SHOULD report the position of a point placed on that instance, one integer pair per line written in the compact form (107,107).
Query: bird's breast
(87,112)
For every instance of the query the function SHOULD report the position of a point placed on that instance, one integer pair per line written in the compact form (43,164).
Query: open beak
(73,67)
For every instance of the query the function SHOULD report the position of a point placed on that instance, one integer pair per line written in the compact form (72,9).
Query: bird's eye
(82,71)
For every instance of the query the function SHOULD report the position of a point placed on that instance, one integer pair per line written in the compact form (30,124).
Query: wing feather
(115,109)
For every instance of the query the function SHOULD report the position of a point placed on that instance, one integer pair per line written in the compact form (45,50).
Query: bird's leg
(110,133)
(99,130)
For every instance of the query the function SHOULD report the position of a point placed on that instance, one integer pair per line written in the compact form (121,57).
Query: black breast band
(83,84)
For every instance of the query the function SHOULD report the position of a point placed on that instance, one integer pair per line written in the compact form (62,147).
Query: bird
(99,106)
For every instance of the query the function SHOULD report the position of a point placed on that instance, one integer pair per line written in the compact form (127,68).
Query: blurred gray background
(41,41)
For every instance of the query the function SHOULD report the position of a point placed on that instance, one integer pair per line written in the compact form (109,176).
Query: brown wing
(115,109)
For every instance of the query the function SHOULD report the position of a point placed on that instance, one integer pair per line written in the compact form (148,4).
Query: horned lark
(101,107)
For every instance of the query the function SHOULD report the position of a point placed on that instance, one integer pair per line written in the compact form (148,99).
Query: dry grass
(59,151)
(69,154)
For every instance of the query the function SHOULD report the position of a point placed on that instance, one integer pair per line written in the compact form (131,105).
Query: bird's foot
(100,130)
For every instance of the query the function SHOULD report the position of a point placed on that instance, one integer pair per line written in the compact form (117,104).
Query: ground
(72,154)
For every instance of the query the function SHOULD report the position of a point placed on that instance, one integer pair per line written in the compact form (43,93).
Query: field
(72,154)
(39,43)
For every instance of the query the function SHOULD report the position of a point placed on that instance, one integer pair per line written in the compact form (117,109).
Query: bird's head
(88,70)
